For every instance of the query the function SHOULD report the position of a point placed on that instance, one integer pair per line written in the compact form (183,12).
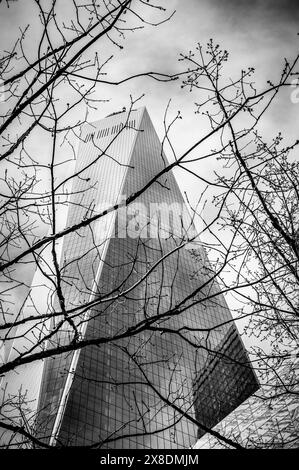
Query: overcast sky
(259,33)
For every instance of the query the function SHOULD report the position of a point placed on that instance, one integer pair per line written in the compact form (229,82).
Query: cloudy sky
(259,33)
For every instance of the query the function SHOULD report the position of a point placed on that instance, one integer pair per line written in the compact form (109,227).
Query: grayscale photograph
(149,228)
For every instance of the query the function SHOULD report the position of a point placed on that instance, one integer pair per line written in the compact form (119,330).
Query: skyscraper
(224,383)
(156,319)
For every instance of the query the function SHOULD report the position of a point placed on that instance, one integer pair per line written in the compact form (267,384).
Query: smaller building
(268,419)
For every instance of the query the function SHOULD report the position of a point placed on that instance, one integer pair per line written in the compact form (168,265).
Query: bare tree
(44,95)
(257,195)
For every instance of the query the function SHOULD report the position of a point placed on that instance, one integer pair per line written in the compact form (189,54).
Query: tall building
(159,328)
(224,383)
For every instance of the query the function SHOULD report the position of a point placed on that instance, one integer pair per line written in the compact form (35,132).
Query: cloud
(266,11)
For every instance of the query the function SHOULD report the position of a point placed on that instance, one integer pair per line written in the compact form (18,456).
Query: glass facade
(267,420)
(161,341)
(224,382)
